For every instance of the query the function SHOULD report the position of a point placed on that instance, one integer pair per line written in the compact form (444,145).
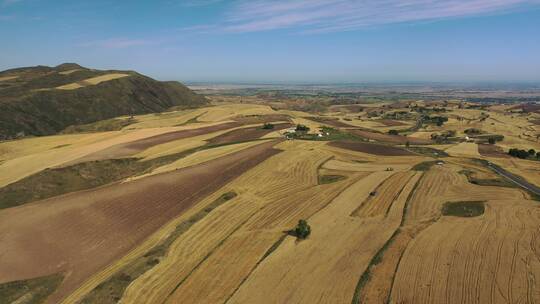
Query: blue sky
(304,41)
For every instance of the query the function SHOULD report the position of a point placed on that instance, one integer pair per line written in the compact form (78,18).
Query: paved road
(515,179)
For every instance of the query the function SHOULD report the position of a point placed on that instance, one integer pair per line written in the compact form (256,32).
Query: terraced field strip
(370,148)
(326,266)
(493,258)
(134,147)
(84,231)
(193,256)
(244,134)
(379,203)
(34,160)
(202,156)
(393,139)
(376,282)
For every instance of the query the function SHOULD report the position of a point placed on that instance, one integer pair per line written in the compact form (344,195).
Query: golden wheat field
(203,206)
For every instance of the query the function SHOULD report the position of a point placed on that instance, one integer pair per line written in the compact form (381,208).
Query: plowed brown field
(245,134)
(394,139)
(134,147)
(80,233)
(375,149)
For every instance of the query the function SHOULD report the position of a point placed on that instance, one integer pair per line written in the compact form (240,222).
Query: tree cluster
(523,154)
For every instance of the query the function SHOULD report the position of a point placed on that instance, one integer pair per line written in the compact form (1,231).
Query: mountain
(45,100)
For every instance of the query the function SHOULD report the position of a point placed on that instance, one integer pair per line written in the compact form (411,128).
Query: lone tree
(268,126)
(302,230)
(393,132)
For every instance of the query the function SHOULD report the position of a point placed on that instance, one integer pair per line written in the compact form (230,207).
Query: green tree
(302,230)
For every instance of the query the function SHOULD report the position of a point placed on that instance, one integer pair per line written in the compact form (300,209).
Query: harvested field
(91,81)
(464,149)
(231,111)
(49,237)
(384,195)
(380,165)
(201,156)
(331,121)
(199,206)
(30,156)
(260,119)
(6,78)
(375,149)
(488,259)
(134,147)
(395,139)
(258,216)
(444,184)
(339,248)
(245,134)
(492,151)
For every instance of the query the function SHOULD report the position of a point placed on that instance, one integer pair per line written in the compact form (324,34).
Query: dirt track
(246,134)
(371,148)
(80,233)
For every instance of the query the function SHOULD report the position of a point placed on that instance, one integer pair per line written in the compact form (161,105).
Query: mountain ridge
(44,100)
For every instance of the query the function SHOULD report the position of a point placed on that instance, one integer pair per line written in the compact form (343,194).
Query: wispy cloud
(117,43)
(199,2)
(6,17)
(344,15)
(9,2)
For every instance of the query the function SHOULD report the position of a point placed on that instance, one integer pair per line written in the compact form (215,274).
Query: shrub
(393,132)
(302,128)
(532,152)
(268,126)
(302,230)
(491,141)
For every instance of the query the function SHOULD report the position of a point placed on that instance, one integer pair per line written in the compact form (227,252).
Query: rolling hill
(45,100)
